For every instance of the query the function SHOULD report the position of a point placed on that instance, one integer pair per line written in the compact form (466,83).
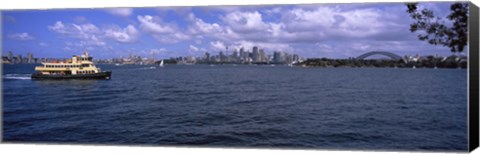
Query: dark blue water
(242,106)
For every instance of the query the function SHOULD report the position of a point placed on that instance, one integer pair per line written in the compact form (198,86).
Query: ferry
(78,67)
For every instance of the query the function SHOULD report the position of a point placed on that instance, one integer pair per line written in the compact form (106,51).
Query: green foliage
(434,29)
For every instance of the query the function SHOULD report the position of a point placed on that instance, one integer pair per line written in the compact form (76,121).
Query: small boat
(79,67)
(161,64)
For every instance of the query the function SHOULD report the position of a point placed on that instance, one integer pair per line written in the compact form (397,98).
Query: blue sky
(314,30)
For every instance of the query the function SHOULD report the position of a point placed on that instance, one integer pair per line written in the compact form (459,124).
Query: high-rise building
(242,54)
(278,57)
(235,56)
(255,54)
(221,56)
(19,59)
(207,56)
(10,55)
(227,58)
(262,57)
(29,58)
(288,58)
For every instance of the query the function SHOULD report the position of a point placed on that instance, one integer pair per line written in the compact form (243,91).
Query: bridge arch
(385,53)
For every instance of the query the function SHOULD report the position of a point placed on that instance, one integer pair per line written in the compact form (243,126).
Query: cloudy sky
(325,30)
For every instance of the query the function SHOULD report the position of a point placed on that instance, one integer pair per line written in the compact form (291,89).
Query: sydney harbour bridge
(384,53)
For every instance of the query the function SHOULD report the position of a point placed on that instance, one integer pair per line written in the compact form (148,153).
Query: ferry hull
(101,75)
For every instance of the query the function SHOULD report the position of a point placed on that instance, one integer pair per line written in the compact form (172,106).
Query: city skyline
(316,30)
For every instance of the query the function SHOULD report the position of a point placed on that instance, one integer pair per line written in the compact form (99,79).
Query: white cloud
(218,46)
(275,10)
(335,23)
(193,48)
(43,44)
(245,22)
(85,32)
(320,29)
(171,37)
(161,31)
(89,35)
(21,36)
(126,35)
(198,26)
(306,25)
(196,49)
(154,25)
(123,12)
(157,51)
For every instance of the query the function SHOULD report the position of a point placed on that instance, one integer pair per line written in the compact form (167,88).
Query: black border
(473,122)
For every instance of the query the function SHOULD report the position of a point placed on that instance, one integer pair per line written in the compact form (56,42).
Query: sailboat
(161,64)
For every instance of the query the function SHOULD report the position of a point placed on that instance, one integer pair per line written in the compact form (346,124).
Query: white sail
(161,63)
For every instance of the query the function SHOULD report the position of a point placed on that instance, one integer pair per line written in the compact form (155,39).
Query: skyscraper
(221,56)
(10,56)
(255,54)
(276,57)
(207,56)
(29,57)
(262,57)
(235,56)
(19,59)
(242,54)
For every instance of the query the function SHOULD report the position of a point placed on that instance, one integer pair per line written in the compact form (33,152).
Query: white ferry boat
(79,67)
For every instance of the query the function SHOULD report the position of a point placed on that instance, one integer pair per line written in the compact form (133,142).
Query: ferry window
(84,65)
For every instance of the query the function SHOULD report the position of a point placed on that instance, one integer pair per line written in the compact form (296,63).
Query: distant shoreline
(273,65)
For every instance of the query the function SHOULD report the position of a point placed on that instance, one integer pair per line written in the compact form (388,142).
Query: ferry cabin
(75,66)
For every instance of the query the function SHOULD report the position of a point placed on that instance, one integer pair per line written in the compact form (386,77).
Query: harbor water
(242,106)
